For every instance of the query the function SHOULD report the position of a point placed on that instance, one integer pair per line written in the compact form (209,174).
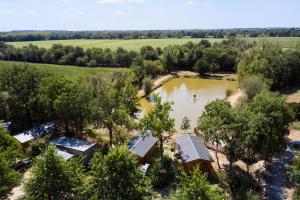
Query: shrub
(162,172)
(228,92)
(36,147)
(147,85)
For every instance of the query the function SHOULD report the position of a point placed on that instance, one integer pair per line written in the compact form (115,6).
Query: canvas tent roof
(72,143)
(141,145)
(192,148)
(33,133)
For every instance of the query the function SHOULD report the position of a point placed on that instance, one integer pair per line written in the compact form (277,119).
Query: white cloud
(119,1)
(79,13)
(190,2)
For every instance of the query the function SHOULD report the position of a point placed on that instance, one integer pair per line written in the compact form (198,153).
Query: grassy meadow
(286,42)
(112,44)
(65,69)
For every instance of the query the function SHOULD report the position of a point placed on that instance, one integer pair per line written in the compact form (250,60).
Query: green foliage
(115,103)
(253,86)
(153,68)
(185,124)
(162,172)
(54,178)
(67,99)
(228,92)
(158,121)
(214,121)
(201,66)
(278,117)
(293,171)
(36,147)
(196,186)
(271,62)
(10,151)
(116,176)
(148,84)
(21,83)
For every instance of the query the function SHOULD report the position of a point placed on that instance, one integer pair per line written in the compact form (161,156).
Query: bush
(36,147)
(201,66)
(228,92)
(253,86)
(147,85)
(162,172)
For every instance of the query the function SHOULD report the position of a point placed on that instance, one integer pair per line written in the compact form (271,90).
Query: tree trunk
(216,154)
(110,136)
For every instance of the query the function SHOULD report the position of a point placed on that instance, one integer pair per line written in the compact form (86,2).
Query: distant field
(287,42)
(65,69)
(113,44)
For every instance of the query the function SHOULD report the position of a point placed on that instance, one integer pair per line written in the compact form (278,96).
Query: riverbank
(159,81)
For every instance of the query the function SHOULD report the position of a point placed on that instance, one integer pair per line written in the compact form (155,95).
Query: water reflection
(189,96)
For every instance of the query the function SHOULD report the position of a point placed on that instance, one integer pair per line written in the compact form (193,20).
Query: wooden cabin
(142,146)
(27,136)
(193,153)
(72,146)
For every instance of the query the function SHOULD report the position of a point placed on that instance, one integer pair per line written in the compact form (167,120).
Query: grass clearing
(65,69)
(113,44)
(286,42)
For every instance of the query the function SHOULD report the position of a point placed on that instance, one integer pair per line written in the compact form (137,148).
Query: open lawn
(65,69)
(286,42)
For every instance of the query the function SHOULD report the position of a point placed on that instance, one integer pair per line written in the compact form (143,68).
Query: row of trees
(279,67)
(149,61)
(148,34)
(31,97)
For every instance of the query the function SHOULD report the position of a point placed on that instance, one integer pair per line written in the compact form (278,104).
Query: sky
(146,14)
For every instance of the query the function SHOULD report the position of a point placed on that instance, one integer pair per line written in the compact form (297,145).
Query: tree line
(221,56)
(15,36)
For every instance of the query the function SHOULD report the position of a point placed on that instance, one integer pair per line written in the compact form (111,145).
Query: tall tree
(10,151)
(21,83)
(214,122)
(68,100)
(116,102)
(158,121)
(115,176)
(54,178)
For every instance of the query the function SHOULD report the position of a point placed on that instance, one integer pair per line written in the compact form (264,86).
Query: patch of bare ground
(236,98)
(18,191)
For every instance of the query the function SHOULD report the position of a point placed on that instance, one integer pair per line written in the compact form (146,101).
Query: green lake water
(181,92)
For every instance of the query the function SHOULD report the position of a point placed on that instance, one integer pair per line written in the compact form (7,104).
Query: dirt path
(18,192)
(234,99)
(156,83)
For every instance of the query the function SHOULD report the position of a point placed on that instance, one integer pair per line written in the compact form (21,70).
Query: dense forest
(14,36)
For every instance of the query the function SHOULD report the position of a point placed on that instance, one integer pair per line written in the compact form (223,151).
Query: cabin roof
(33,133)
(192,148)
(72,143)
(141,145)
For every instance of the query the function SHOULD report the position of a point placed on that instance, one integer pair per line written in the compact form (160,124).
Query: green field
(113,44)
(286,42)
(65,69)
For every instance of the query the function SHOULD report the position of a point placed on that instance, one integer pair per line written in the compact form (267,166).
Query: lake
(181,92)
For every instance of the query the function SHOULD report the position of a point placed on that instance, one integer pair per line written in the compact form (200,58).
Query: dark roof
(72,143)
(141,145)
(33,133)
(192,148)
